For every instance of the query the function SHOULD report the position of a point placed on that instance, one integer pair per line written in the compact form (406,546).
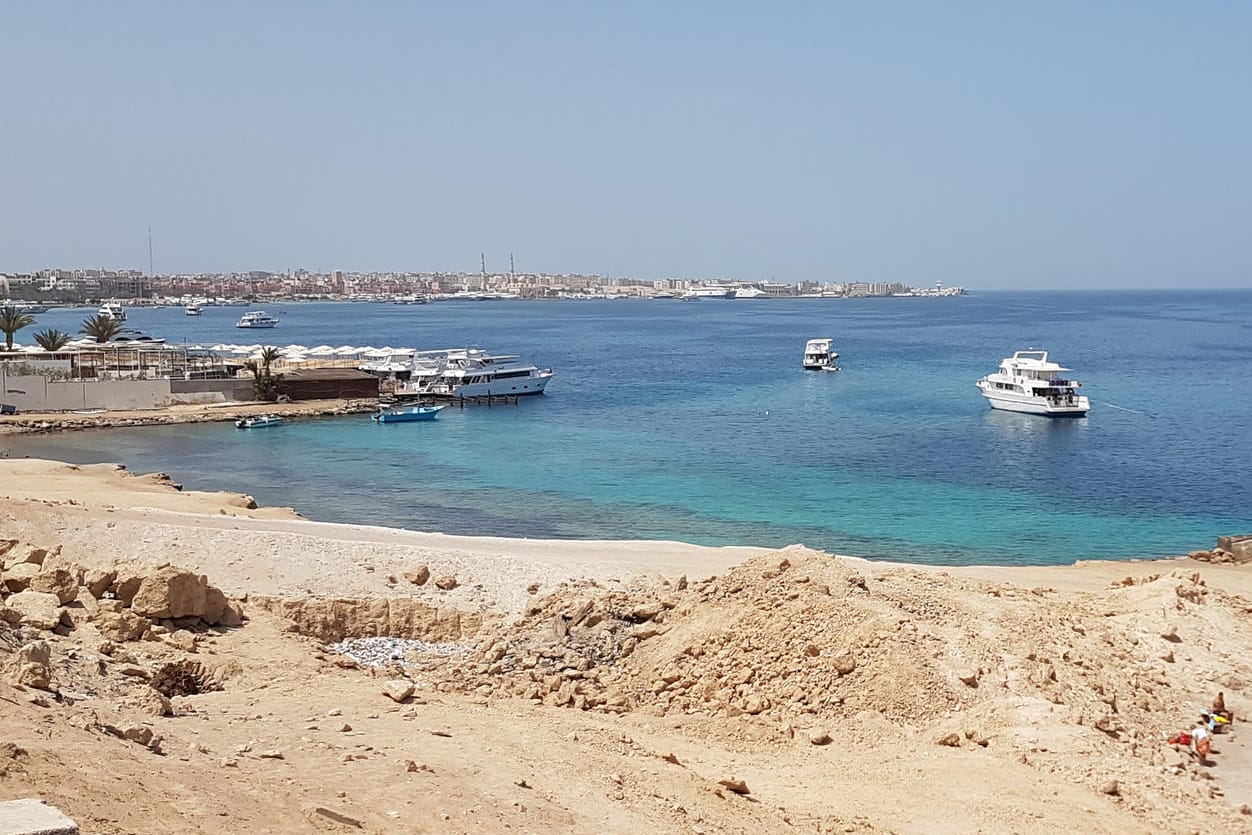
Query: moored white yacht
(256,319)
(112,310)
(477,373)
(1028,382)
(820,356)
(471,372)
(192,309)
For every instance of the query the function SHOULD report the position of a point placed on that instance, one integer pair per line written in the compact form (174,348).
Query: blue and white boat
(259,422)
(407,414)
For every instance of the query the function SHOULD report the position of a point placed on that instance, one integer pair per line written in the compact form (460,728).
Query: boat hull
(1034,407)
(511,387)
(425,413)
(257,424)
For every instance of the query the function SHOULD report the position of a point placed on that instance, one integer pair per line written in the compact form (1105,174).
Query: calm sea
(695,422)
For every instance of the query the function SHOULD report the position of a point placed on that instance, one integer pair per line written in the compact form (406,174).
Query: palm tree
(101,328)
(266,386)
(52,339)
(13,320)
(269,355)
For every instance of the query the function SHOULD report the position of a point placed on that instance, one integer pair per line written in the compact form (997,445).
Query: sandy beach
(602,686)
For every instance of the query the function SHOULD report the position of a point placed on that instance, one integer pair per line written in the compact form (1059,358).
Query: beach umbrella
(377,352)
(322,351)
(408,352)
(347,351)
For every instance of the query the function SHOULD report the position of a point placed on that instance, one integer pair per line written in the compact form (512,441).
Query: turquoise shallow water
(694,421)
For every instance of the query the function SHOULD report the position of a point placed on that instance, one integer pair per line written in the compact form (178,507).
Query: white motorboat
(256,319)
(1028,382)
(192,310)
(820,356)
(112,310)
(750,293)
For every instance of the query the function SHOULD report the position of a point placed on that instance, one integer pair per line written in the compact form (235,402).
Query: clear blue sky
(995,145)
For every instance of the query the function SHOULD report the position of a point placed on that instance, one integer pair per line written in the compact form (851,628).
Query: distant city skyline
(1062,146)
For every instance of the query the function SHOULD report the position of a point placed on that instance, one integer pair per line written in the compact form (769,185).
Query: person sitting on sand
(1219,707)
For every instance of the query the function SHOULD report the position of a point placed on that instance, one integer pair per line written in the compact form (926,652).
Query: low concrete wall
(211,391)
(34,393)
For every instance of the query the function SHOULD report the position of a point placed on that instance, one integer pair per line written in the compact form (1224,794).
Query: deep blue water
(694,421)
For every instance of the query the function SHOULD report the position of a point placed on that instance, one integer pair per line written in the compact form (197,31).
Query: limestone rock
(120,626)
(25,554)
(968,677)
(170,592)
(232,615)
(215,606)
(418,576)
(98,580)
(138,733)
(126,581)
(398,690)
(844,663)
(952,740)
(735,785)
(30,666)
(819,736)
(151,702)
(18,577)
(447,582)
(1111,788)
(38,609)
(59,581)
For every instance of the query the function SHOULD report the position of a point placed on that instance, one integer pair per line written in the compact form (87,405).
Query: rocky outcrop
(30,666)
(42,589)
(399,617)
(1230,549)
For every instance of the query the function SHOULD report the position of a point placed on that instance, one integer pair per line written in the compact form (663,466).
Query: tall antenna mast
(512,269)
(149,251)
(483,260)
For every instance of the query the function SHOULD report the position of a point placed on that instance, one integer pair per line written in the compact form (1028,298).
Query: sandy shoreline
(621,686)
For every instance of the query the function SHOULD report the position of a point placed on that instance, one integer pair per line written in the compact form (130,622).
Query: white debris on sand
(378,652)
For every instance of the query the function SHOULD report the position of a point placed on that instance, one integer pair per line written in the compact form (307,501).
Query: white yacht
(112,310)
(471,372)
(750,293)
(1028,382)
(819,356)
(192,310)
(256,319)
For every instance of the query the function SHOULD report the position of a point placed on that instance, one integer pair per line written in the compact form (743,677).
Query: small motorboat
(408,414)
(820,356)
(259,422)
